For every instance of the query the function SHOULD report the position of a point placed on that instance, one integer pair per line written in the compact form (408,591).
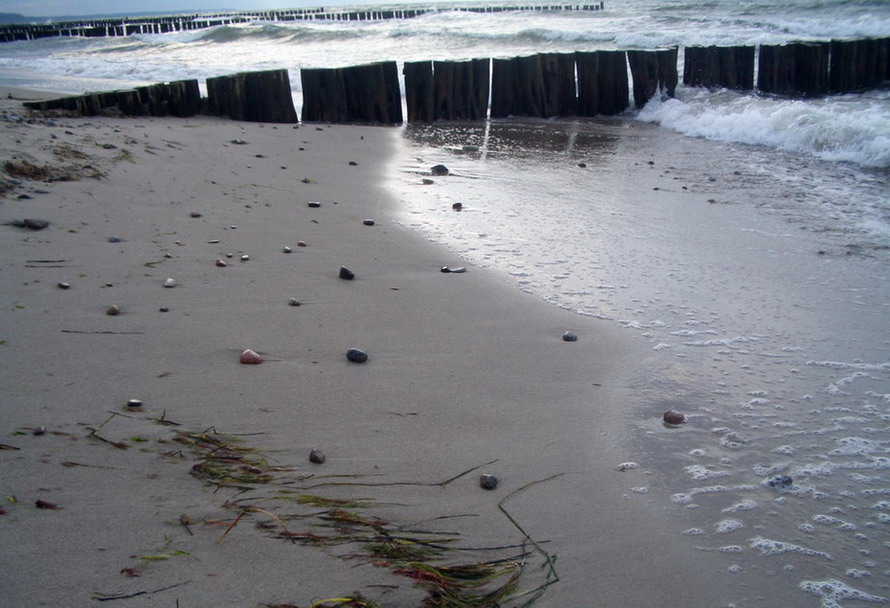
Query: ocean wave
(851,128)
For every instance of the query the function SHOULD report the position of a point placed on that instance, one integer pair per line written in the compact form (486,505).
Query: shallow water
(762,298)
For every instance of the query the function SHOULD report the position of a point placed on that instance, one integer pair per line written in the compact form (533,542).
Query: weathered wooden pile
(545,85)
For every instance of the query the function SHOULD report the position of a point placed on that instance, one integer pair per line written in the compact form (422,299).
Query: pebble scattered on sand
(195,214)
(164,309)
(456,270)
(113,310)
(301,243)
(239,142)
(251,357)
(673,417)
(170,282)
(368,222)
(317,457)
(33,224)
(439,170)
(245,257)
(427,182)
(626,466)
(346,274)
(134,403)
(64,285)
(221,263)
(457,206)
(40,430)
(570,336)
(314,204)
(356,355)
(293,302)
(287,250)
(488,482)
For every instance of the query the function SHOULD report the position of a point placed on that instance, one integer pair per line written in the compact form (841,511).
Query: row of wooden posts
(127,26)
(545,85)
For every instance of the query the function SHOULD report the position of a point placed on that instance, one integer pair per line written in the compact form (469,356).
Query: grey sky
(48,8)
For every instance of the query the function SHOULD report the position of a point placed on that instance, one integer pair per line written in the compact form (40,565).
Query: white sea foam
(834,592)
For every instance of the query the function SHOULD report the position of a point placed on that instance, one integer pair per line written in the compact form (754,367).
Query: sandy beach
(464,377)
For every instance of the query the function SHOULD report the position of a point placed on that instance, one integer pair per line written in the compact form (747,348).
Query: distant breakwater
(128,26)
(546,85)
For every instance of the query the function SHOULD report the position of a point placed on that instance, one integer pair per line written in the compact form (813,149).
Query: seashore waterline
(754,282)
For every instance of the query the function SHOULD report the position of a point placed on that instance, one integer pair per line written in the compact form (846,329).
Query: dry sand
(462,371)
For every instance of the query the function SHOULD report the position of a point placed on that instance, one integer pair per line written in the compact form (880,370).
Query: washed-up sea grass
(432,561)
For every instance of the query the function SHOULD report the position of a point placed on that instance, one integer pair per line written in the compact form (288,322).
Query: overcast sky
(50,8)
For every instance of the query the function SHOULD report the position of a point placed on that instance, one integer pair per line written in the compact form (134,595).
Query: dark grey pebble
(24,197)
(64,285)
(368,222)
(488,482)
(195,214)
(316,456)
(781,481)
(347,274)
(134,403)
(293,302)
(458,269)
(314,204)
(427,182)
(164,309)
(582,165)
(457,206)
(113,310)
(260,156)
(673,417)
(40,430)
(34,224)
(570,336)
(239,142)
(352,163)
(356,355)
(439,170)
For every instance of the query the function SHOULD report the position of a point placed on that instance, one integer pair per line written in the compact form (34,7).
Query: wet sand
(465,376)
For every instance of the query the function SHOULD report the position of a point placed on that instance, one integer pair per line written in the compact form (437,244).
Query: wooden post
(419,91)
(799,69)
(667,70)
(503,77)
(559,84)
(602,83)
(324,96)
(700,66)
(460,90)
(644,71)
(252,96)
(372,93)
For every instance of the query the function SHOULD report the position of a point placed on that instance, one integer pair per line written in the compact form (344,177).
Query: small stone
(245,257)
(251,357)
(356,355)
(287,250)
(134,403)
(346,274)
(221,263)
(213,241)
(352,163)
(570,336)
(115,239)
(317,457)
(164,309)
(239,142)
(439,170)
(195,214)
(229,255)
(168,256)
(314,204)
(64,285)
(113,310)
(169,282)
(293,302)
(457,270)
(368,222)
(109,284)
(457,206)
(673,417)
(781,481)
(35,224)
(40,430)
(488,482)
(301,243)
(582,165)
(427,182)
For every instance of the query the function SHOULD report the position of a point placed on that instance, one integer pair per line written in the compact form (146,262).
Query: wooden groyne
(546,85)
(128,26)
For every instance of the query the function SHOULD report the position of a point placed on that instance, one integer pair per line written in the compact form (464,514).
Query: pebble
(439,170)
(168,256)
(115,239)
(245,257)
(673,417)
(314,204)
(239,142)
(293,302)
(488,482)
(368,222)
(301,243)
(459,269)
(213,241)
(427,182)
(64,285)
(287,250)
(34,224)
(221,263)
(457,206)
(347,274)
(570,336)
(134,403)
(317,457)
(251,357)
(113,310)
(164,309)
(40,430)
(195,214)
(169,282)
(356,355)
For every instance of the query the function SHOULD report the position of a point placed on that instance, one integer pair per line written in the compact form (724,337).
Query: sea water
(742,240)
